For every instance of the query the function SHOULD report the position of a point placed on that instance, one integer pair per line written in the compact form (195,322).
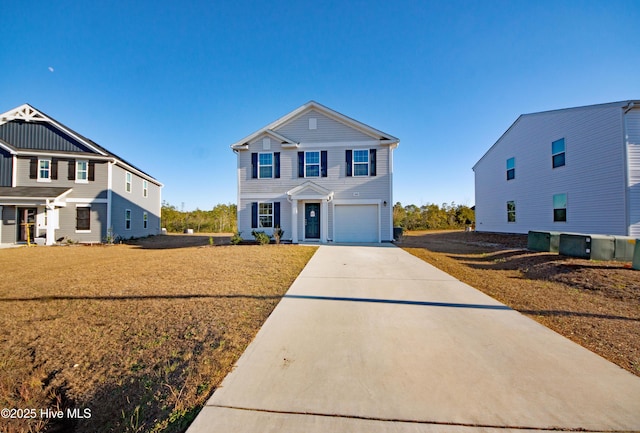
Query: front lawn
(135,336)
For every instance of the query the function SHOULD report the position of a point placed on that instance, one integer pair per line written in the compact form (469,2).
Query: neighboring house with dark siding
(64,186)
(319,176)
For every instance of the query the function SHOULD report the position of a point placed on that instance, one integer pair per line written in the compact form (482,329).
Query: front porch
(310,209)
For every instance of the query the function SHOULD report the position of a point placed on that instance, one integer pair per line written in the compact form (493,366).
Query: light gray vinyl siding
(632,128)
(98,223)
(92,189)
(8,225)
(6,168)
(327,130)
(121,200)
(592,177)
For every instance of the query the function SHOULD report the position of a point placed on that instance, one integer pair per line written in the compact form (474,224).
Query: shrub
(236,238)
(261,237)
(277,234)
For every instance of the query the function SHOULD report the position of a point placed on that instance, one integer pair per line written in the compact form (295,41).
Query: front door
(26,218)
(312,220)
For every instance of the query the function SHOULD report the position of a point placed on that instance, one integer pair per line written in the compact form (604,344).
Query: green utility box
(625,246)
(543,241)
(594,247)
(636,256)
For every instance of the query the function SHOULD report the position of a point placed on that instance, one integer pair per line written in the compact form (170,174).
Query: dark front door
(312,220)
(26,217)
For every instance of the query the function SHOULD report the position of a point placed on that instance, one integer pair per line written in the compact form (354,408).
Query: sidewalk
(372,339)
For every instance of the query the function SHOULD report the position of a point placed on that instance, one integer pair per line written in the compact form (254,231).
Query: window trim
(359,163)
(128,182)
(86,171)
(260,165)
(315,164)
(145,188)
(511,211)
(266,215)
(83,206)
(145,220)
(557,154)
(127,219)
(48,169)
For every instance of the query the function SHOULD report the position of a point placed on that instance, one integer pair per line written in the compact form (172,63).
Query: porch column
(325,220)
(51,226)
(294,221)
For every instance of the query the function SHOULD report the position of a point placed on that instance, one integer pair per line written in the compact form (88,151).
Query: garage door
(356,223)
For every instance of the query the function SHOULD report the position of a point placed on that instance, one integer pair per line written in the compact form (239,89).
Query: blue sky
(170,85)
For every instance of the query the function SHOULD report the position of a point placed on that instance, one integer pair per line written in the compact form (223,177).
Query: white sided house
(57,185)
(571,170)
(319,176)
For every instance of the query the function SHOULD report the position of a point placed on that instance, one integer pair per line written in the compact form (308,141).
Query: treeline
(432,216)
(221,219)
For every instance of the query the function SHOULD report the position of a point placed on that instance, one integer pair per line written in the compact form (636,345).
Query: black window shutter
(300,164)
(71,171)
(254,165)
(276,165)
(372,162)
(254,215)
(33,168)
(323,163)
(349,161)
(54,169)
(92,171)
(276,214)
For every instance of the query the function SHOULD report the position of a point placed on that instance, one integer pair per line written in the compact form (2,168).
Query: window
(265,165)
(511,211)
(82,171)
(44,170)
(145,189)
(312,164)
(127,219)
(83,219)
(560,208)
(145,220)
(127,182)
(361,162)
(265,214)
(511,168)
(557,153)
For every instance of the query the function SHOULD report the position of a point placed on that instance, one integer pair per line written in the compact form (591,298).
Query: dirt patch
(139,335)
(594,303)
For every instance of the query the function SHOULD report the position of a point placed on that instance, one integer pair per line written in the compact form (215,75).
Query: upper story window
(265,165)
(557,153)
(361,162)
(511,168)
(127,181)
(82,171)
(312,164)
(145,189)
(559,207)
(44,170)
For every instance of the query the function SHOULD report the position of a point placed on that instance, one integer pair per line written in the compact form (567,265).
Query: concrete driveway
(372,339)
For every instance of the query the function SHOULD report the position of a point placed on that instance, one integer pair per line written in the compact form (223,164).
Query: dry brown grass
(595,304)
(139,334)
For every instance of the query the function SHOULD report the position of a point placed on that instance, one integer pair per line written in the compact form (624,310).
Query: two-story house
(319,176)
(56,184)
(569,170)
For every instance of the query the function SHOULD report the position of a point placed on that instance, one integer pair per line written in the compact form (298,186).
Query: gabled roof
(27,113)
(312,105)
(309,190)
(624,105)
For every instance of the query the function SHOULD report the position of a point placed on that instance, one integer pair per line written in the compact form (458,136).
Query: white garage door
(356,223)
